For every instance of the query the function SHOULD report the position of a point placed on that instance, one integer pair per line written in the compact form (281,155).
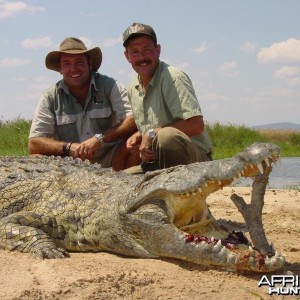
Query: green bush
(227,140)
(14,137)
(295,139)
(230,139)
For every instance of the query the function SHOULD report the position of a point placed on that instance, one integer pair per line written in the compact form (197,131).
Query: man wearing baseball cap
(171,129)
(86,114)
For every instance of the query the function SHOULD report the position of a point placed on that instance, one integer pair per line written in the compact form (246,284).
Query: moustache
(147,61)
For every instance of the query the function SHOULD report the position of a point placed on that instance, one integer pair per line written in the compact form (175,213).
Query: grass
(14,137)
(228,140)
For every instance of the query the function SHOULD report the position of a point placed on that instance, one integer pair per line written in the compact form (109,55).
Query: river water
(285,174)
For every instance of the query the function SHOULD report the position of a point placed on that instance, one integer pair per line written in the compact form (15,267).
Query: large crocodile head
(170,216)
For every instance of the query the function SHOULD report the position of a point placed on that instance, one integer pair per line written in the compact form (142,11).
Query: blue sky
(242,56)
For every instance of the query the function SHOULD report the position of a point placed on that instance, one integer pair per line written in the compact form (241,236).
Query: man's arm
(88,148)
(121,130)
(45,146)
(192,126)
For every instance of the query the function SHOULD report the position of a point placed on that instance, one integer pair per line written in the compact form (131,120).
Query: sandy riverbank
(107,276)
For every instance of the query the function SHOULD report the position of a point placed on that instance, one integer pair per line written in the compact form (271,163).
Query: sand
(108,276)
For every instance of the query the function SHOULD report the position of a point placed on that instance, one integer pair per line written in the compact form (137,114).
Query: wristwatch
(151,134)
(99,137)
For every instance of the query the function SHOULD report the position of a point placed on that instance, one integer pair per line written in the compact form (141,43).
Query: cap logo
(136,28)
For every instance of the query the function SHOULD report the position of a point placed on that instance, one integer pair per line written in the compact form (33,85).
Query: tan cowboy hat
(73,45)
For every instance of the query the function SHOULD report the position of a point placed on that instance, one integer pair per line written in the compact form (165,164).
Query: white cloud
(283,52)
(202,48)
(166,60)
(12,9)
(295,81)
(19,79)
(88,14)
(229,69)
(183,66)
(88,42)
(121,72)
(41,42)
(287,71)
(14,62)
(214,97)
(111,42)
(248,47)
(105,44)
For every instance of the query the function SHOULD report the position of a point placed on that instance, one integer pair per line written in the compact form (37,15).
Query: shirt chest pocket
(101,119)
(67,128)
(65,120)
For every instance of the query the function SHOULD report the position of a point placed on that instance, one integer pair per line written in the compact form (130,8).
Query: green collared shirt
(169,97)
(59,115)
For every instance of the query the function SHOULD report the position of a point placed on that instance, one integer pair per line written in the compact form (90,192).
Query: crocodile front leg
(34,233)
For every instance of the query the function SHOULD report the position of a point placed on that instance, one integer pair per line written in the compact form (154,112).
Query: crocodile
(51,206)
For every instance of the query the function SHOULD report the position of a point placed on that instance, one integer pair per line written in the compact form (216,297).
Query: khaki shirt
(169,97)
(60,116)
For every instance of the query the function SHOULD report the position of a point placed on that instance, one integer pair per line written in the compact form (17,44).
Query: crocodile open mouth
(201,233)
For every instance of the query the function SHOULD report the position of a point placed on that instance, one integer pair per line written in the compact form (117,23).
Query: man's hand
(86,149)
(147,154)
(133,143)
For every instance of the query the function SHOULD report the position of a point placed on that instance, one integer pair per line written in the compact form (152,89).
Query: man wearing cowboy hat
(86,114)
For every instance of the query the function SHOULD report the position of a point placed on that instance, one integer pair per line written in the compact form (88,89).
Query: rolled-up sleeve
(120,102)
(43,120)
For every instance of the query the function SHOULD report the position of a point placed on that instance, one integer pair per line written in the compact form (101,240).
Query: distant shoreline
(284,126)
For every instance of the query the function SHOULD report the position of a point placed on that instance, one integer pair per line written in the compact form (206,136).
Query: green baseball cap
(137,29)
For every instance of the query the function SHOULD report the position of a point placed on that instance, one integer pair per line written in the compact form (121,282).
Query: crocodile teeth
(222,255)
(277,261)
(230,258)
(273,246)
(267,162)
(209,246)
(277,254)
(217,247)
(238,175)
(184,196)
(252,261)
(251,249)
(260,168)
(236,260)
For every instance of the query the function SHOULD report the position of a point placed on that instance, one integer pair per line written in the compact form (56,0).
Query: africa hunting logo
(281,284)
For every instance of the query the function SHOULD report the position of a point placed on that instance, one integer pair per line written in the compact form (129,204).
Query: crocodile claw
(50,253)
